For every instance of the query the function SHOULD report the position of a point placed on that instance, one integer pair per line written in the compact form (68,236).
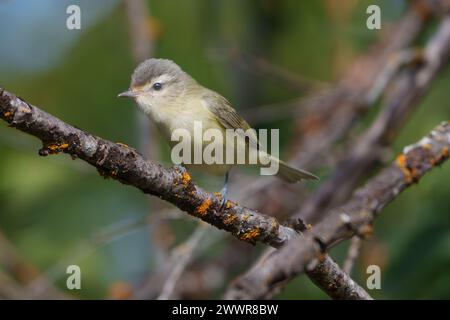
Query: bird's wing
(227,116)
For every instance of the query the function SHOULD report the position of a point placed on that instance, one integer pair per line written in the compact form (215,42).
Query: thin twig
(142,47)
(181,257)
(352,254)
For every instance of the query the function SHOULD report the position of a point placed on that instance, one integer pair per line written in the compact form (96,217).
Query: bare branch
(139,29)
(352,254)
(336,283)
(354,218)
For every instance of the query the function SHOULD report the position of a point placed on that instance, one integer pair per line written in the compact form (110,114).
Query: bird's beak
(128,94)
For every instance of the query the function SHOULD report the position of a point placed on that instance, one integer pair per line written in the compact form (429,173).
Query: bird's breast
(172,117)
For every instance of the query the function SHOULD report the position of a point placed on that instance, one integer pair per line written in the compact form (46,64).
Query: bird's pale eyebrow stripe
(163,78)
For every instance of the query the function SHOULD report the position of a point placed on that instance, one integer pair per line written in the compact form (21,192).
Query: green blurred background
(50,207)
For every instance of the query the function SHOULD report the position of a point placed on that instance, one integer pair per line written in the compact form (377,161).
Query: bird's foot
(224,197)
(180,168)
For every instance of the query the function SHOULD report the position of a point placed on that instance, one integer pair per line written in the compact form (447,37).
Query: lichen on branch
(122,163)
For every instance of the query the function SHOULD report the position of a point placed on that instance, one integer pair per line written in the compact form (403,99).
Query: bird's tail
(293,175)
(286,172)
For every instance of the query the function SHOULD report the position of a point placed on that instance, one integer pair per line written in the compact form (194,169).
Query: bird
(174,100)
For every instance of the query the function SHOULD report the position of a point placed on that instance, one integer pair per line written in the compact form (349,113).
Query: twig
(354,218)
(352,254)
(336,283)
(139,29)
(142,48)
(200,278)
(182,255)
(263,67)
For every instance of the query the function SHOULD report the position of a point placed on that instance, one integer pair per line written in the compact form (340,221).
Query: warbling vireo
(174,100)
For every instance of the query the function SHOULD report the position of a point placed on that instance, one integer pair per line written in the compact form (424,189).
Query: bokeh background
(56,212)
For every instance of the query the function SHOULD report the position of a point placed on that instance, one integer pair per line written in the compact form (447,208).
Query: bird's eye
(157,86)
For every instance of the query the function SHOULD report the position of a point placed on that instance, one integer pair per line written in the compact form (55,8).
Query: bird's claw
(180,168)
(224,198)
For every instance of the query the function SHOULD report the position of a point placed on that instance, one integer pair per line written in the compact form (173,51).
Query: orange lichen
(402,164)
(445,152)
(401,160)
(203,208)
(8,114)
(186,178)
(251,235)
(55,148)
(230,219)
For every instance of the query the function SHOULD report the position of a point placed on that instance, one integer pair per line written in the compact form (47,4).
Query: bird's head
(156,83)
